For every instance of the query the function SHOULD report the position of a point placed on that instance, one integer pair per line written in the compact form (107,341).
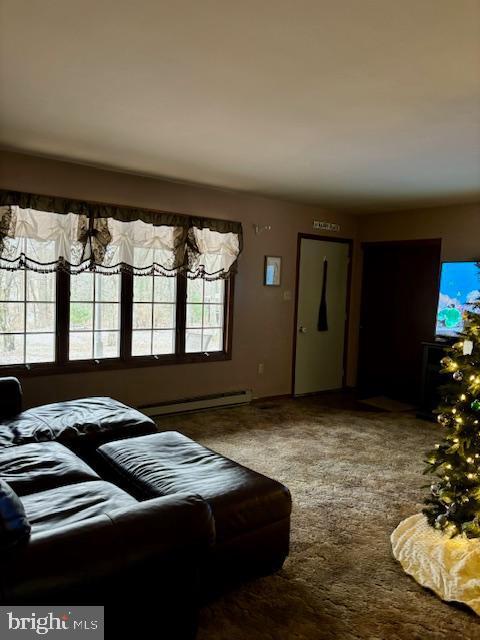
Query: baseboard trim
(198,403)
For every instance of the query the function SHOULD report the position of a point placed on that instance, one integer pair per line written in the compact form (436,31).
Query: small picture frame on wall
(272,271)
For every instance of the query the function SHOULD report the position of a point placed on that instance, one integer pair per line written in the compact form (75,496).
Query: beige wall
(457,226)
(263,321)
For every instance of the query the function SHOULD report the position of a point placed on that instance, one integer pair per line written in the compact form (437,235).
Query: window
(90,319)
(85,285)
(154,311)
(27,313)
(205,315)
(94,316)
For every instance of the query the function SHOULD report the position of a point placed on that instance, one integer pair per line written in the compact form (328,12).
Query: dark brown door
(399,300)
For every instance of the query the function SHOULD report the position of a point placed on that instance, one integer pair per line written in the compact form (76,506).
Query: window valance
(48,233)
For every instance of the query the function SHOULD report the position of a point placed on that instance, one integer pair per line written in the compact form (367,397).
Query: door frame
(322,238)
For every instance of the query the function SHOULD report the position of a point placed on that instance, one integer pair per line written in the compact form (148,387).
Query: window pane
(194,315)
(212,340)
(142,288)
(81,345)
(214,291)
(212,315)
(11,285)
(195,290)
(81,316)
(81,286)
(141,343)
(107,288)
(164,316)
(11,317)
(40,347)
(148,315)
(95,305)
(205,320)
(34,319)
(164,288)
(40,317)
(142,315)
(193,340)
(40,286)
(106,344)
(107,316)
(163,342)
(11,349)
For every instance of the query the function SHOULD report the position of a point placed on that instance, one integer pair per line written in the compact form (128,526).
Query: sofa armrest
(10,397)
(115,553)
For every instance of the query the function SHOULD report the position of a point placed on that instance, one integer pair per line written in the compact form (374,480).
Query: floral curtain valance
(47,233)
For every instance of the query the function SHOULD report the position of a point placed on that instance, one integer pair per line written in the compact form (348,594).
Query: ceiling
(359,105)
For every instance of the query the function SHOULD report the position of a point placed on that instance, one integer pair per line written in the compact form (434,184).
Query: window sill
(111,364)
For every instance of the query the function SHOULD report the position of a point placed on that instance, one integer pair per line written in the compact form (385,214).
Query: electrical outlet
(260,368)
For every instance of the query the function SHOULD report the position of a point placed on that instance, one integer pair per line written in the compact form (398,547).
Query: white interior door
(319,354)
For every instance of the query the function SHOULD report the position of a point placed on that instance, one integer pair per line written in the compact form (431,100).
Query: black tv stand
(432,379)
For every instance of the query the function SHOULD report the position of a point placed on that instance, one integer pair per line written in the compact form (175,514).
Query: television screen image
(459,285)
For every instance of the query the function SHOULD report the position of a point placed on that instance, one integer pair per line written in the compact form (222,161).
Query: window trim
(63,365)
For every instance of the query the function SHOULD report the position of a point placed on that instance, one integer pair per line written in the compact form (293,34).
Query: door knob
(302,329)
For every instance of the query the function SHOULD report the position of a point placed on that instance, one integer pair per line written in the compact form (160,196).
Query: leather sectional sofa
(82,425)
(119,514)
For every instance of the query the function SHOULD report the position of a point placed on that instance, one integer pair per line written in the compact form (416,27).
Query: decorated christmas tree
(454,503)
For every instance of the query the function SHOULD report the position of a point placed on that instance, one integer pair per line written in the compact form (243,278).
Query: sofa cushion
(39,466)
(95,420)
(14,525)
(58,507)
(166,463)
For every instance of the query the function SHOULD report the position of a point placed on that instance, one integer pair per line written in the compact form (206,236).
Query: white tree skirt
(448,566)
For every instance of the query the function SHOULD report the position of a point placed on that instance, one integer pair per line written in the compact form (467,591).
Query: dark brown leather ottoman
(251,511)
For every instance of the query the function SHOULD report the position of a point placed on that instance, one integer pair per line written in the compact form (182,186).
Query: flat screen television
(459,285)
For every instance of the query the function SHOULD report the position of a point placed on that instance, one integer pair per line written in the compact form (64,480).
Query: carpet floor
(354,473)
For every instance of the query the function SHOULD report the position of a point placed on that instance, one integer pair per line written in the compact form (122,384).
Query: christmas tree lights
(454,502)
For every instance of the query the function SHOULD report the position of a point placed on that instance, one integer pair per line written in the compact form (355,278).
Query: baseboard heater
(199,403)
